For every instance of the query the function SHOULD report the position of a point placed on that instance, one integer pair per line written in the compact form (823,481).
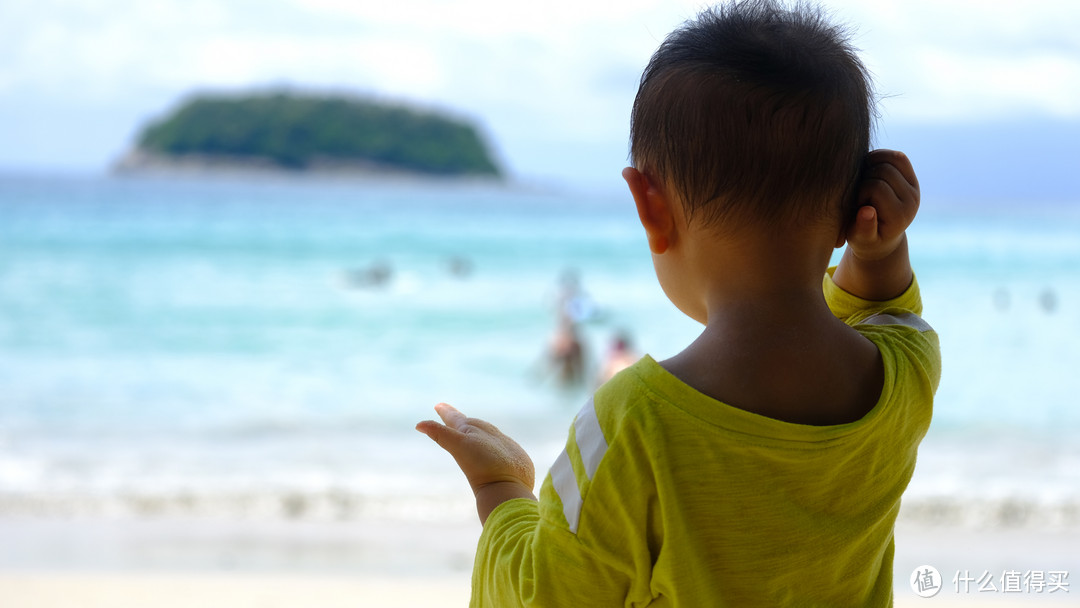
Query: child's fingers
(447,438)
(865,229)
(896,159)
(887,190)
(890,175)
(458,421)
(451,416)
(448,435)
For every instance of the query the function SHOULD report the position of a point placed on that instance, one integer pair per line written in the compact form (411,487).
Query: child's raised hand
(888,200)
(488,458)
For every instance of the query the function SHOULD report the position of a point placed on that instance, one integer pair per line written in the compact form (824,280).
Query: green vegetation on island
(298,132)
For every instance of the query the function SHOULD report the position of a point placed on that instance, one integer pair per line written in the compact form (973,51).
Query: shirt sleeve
(852,309)
(564,549)
(911,337)
(523,560)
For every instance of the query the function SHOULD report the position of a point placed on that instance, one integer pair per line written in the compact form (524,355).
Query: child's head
(754,114)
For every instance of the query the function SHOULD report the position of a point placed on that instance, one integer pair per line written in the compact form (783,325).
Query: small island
(300,133)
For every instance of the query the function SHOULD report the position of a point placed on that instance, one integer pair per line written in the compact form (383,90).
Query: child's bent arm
(875,280)
(876,265)
(495,494)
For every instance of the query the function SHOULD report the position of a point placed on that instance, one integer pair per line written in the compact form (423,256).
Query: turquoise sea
(263,347)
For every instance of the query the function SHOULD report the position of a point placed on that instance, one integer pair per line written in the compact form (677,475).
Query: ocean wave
(1000,512)
(328,505)
(1014,512)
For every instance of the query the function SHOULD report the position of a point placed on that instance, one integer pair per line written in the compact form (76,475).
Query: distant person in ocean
(566,354)
(620,356)
(764,464)
(378,274)
(574,305)
(459,266)
(1048,300)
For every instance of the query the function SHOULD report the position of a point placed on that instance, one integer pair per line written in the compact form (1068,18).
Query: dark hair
(755,112)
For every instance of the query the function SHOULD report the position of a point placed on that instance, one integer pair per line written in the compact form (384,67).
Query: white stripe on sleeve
(907,319)
(565,484)
(590,438)
(592,446)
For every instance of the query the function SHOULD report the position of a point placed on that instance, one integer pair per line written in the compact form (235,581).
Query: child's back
(764,464)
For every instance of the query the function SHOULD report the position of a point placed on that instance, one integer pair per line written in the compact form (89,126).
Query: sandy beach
(240,591)
(263,591)
(176,590)
(96,563)
(395,563)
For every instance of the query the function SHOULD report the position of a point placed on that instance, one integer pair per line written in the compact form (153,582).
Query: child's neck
(771,345)
(794,364)
(744,276)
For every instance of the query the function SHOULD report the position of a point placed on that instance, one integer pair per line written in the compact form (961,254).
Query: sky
(984,96)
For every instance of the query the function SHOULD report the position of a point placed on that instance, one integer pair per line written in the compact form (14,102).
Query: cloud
(537,74)
(959,60)
(964,86)
(939,60)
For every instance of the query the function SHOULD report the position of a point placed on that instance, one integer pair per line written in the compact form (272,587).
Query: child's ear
(654,210)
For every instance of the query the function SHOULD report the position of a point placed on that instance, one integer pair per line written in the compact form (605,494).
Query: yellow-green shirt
(667,497)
